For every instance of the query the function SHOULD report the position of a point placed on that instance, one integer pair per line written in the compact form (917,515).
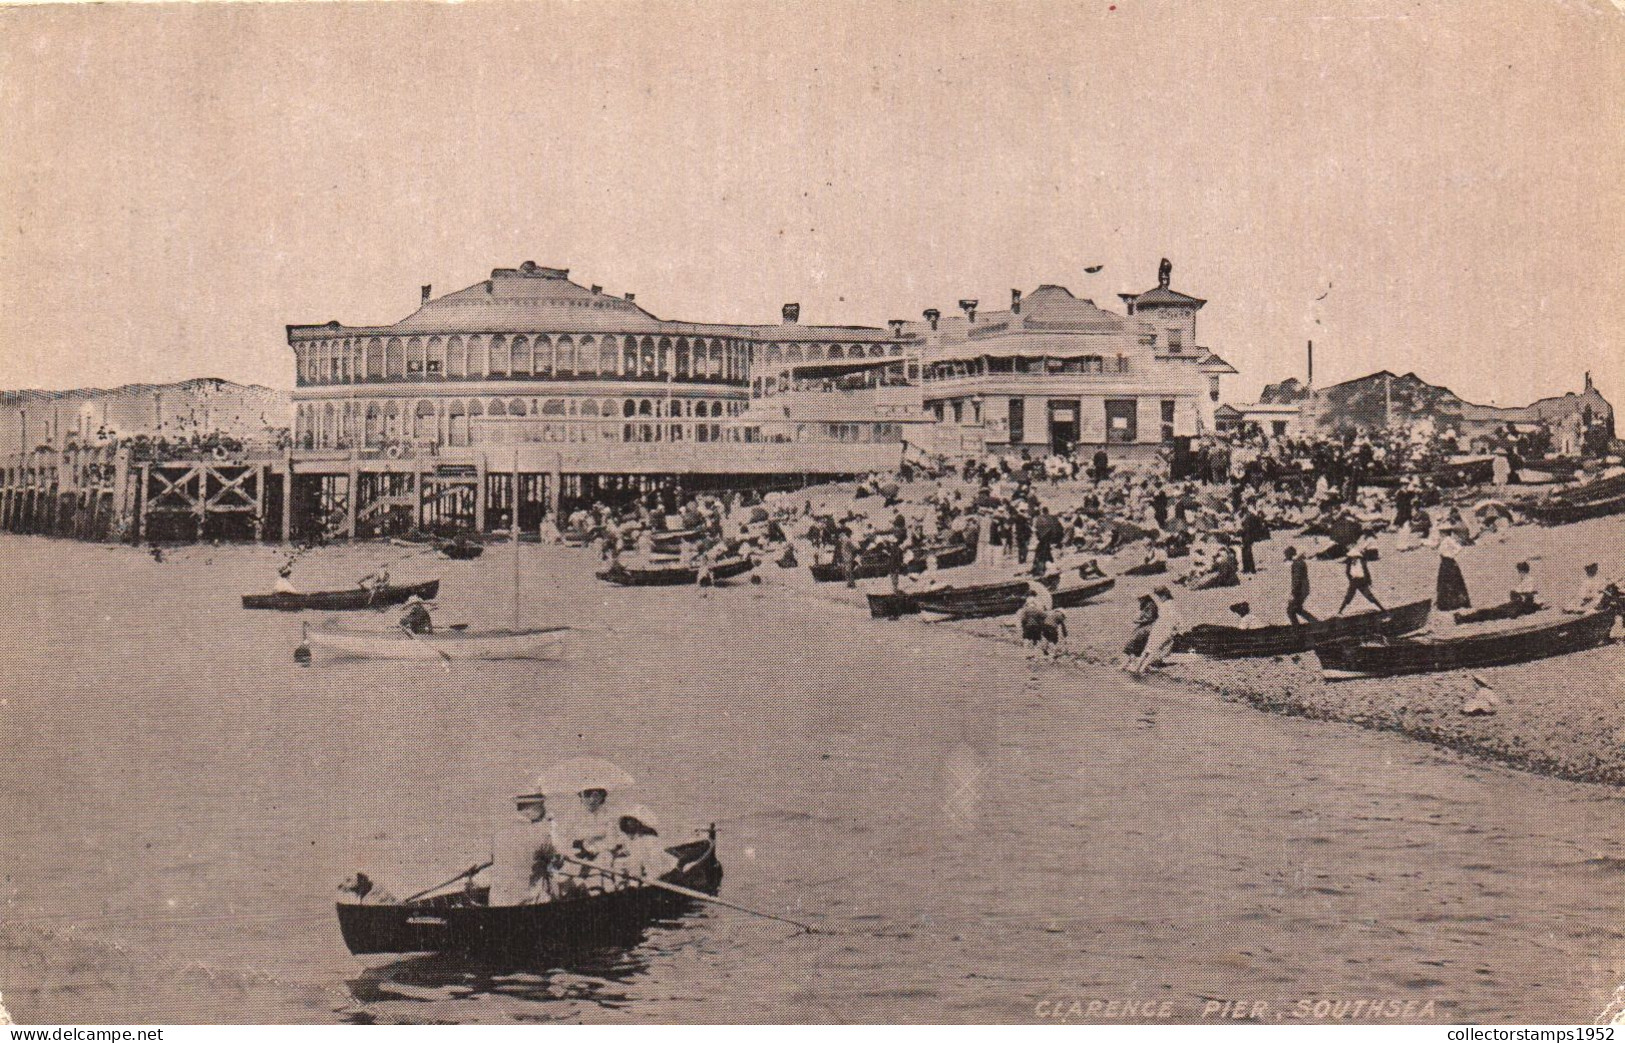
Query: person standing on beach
(1450,588)
(1295,612)
(1359,577)
(1160,642)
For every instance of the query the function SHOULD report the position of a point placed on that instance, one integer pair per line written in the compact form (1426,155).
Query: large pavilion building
(527,389)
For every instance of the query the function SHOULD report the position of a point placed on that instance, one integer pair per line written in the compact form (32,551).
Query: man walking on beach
(1359,577)
(1295,612)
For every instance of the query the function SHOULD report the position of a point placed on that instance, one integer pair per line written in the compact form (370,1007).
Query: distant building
(86,416)
(1382,398)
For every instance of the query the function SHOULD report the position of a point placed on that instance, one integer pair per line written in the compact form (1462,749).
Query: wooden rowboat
(343,600)
(536,643)
(908,603)
(875,564)
(463,924)
(968,604)
(1224,642)
(1496,647)
(674,575)
(1563,512)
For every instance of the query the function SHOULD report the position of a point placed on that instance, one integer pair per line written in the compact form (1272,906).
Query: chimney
(1588,380)
(931,316)
(896,326)
(791,314)
(631,297)
(970,309)
(597,289)
(426,293)
(1015,301)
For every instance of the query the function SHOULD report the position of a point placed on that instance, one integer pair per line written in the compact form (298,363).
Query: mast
(513,531)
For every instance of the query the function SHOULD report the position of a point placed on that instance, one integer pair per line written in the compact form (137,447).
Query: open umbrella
(583,773)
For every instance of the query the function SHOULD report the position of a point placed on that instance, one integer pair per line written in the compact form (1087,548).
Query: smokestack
(631,297)
(425,293)
(970,309)
(931,316)
(1311,365)
(791,313)
(597,289)
(1015,301)
(1588,380)
(896,326)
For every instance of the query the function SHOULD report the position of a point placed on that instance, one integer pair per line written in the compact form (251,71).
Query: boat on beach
(876,564)
(675,574)
(893,604)
(969,604)
(352,600)
(543,643)
(1501,646)
(1226,642)
(463,923)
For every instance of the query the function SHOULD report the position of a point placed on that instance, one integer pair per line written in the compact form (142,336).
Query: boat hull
(517,935)
(542,644)
(1500,647)
(965,605)
(342,600)
(906,603)
(873,566)
(672,575)
(1222,642)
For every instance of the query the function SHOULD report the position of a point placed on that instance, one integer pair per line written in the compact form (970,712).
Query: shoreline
(1562,717)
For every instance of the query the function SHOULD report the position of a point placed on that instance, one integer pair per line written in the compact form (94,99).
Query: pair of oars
(686,892)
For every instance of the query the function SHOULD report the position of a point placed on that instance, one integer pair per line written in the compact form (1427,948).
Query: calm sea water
(178,801)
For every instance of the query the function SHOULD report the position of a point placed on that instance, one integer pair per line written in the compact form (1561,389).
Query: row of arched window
(479,357)
(455,422)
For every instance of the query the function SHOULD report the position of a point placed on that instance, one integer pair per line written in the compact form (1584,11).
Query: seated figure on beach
(284,580)
(375,580)
(1589,597)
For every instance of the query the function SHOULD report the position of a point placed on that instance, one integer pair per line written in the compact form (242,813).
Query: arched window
(476,358)
(774,354)
(815,351)
(715,369)
(608,357)
(629,357)
(646,350)
(567,356)
(553,407)
(793,353)
(435,362)
(543,350)
(456,358)
(835,351)
(663,359)
(496,408)
(877,351)
(375,359)
(519,356)
(499,356)
(629,408)
(414,357)
(516,407)
(329,425)
(457,424)
(394,358)
(646,408)
(423,421)
(682,358)
(587,356)
(589,407)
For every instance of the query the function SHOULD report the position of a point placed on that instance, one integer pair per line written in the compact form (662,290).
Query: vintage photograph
(671,513)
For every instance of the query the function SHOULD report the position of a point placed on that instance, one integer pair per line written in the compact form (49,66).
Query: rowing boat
(463,924)
(1225,642)
(876,563)
(1501,646)
(343,600)
(970,604)
(673,575)
(534,643)
(908,603)
(1563,512)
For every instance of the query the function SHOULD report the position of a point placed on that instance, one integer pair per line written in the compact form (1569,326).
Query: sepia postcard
(1102,512)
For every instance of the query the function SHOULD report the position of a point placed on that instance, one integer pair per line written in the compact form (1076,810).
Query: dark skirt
(1450,592)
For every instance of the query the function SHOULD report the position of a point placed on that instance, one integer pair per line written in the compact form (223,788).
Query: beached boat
(876,563)
(971,604)
(535,643)
(907,603)
(1559,511)
(671,540)
(343,600)
(1479,470)
(1551,636)
(671,575)
(1224,642)
(459,550)
(462,924)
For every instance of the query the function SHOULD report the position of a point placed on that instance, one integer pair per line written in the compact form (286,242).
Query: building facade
(89,416)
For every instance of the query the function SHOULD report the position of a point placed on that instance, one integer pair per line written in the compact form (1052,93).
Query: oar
(441,652)
(470,871)
(689,893)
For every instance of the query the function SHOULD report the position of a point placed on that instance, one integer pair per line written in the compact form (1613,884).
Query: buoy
(301,655)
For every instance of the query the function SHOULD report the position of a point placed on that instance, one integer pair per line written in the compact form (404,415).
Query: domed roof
(524,299)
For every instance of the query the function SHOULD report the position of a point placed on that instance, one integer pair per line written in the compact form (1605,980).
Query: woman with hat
(416,618)
(639,851)
(524,854)
(1450,588)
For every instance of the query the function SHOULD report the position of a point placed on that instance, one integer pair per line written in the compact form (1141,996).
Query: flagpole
(514,532)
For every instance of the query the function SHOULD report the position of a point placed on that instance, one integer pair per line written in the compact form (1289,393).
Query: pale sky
(179,182)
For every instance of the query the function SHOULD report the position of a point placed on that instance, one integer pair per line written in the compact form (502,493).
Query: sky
(1428,187)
